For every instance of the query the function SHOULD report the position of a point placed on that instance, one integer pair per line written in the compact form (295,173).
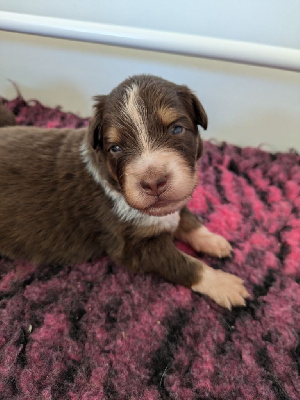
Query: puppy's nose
(154,186)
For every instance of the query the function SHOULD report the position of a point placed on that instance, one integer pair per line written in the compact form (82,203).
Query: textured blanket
(95,331)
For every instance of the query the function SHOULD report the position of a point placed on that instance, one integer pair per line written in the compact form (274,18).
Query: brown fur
(167,115)
(72,195)
(7,118)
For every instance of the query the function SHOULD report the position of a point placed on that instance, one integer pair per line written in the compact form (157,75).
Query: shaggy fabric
(95,331)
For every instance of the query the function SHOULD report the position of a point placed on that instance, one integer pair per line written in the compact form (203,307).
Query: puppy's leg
(191,231)
(159,254)
(225,289)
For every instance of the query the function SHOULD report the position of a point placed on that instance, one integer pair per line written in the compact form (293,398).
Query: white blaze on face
(135,111)
(154,164)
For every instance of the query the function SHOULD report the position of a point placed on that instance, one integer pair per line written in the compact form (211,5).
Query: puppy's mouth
(160,207)
(167,203)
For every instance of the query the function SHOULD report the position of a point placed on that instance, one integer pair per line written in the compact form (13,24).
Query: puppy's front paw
(210,243)
(225,289)
(214,245)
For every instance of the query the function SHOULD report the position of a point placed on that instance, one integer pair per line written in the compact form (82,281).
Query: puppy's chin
(160,208)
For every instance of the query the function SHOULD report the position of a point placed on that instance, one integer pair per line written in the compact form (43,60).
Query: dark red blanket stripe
(94,331)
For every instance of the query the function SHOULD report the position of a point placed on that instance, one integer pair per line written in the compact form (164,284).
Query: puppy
(119,188)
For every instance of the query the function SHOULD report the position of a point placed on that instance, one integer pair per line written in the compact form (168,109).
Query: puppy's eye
(177,129)
(115,149)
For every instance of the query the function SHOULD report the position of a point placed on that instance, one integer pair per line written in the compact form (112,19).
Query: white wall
(274,22)
(246,105)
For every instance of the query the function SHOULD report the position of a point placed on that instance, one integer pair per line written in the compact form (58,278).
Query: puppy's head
(146,143)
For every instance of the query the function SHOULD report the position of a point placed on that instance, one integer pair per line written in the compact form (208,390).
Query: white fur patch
(135,110)
(121,208)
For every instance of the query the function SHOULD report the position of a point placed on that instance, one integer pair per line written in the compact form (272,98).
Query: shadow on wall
(59,91)
(250,130)
(89,60)
(246,105)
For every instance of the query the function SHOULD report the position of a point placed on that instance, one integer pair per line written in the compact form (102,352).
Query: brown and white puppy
(118,188)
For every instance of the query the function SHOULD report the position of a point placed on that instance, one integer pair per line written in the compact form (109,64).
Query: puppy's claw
(228,305)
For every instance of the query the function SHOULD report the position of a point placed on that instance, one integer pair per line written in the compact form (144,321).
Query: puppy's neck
(121,208)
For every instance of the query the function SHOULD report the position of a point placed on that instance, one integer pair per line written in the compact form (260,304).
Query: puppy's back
(7,118)
(42,179)
(28,154)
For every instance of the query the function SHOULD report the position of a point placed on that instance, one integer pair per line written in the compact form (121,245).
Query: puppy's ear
(95,127)
(194,106)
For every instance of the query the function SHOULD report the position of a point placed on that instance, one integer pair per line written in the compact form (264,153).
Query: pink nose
(154,186)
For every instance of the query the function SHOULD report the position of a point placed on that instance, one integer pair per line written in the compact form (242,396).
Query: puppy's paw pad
(225,289)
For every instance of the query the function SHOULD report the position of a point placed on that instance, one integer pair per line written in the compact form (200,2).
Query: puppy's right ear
(95,126)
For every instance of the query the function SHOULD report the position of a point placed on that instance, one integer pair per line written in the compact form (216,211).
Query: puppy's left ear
(194,106)
(95,126)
